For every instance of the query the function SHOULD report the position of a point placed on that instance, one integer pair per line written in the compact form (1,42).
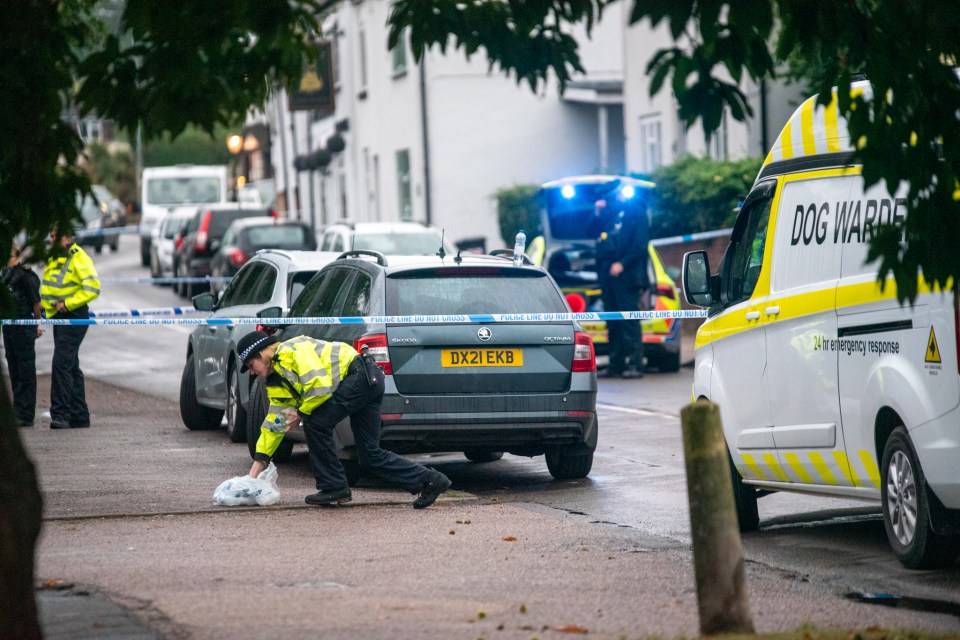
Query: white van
(825,383)
(165,189)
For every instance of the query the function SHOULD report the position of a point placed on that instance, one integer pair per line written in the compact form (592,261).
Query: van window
(744,259)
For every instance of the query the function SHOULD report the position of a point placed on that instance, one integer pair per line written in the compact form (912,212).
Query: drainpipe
(426,138)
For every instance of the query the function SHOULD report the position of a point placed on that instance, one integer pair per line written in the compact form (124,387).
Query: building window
(403,185)
(362,40)
(717,144)
(650,144)
(399,54)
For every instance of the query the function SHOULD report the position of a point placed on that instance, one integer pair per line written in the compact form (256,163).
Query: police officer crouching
(318,384)
(19,341)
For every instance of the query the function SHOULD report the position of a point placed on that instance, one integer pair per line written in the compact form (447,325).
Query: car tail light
(178,242)
(237,257)
(266,329)
(273,214)
(376,348)
(201,242)
(666,291)
(584,358)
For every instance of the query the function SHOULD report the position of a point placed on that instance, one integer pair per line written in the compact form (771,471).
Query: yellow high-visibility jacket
(306,372)
(71,278)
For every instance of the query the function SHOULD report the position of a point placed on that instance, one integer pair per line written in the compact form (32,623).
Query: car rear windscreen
(288,236)
(222,218)
(183,190)
(472,291)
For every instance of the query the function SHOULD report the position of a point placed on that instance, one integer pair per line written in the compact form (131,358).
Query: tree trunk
(717,551)
(21,513)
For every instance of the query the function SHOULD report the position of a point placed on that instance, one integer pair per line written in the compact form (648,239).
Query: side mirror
(696,279)
(270,312)
(204,302)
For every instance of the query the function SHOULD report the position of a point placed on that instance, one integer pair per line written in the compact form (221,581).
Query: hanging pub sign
(315,92)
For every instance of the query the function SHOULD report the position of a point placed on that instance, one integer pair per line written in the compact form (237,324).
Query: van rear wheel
(745,500)
(906,509)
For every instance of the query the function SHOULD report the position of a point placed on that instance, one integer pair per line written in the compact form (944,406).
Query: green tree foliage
(908,135)
(699,194)
(193,146)
(518,207)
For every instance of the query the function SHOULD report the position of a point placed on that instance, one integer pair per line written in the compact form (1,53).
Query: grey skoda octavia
(478,387)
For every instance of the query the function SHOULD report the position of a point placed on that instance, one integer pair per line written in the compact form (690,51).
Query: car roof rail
(508,253)
(357,253)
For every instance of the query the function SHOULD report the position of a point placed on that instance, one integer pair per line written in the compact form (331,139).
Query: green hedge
(518,208)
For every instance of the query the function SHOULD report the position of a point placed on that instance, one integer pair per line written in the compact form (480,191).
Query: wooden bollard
(717,551)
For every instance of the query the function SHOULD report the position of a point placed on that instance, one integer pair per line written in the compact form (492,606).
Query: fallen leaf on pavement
(509,539)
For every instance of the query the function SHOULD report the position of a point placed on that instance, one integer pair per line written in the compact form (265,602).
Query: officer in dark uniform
(18,341)
(622,271)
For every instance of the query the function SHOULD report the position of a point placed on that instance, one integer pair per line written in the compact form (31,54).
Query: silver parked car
(479,387)
(162,242)
(212,383)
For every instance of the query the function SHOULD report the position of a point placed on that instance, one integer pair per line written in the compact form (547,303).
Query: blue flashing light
(627,191)
(567,191)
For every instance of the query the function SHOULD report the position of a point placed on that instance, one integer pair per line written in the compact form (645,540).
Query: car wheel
(744,500)
(353,471)
(906,509)
(154,267)
(98,247)
(569,463)
(115,245)
(195,416)
(236,415)
(144,254)
(255,416)
(176,285)
(473,455)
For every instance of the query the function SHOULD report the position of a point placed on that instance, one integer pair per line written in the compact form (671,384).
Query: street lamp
(234,143)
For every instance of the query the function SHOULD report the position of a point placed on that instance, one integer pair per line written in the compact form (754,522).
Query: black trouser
(68,400)
(19,347)
(355,397)
(625,336)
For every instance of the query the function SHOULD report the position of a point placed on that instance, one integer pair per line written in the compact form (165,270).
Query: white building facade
(433,141)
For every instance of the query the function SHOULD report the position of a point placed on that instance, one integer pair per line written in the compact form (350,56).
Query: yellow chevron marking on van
(786,140)
(753,466)
(871,468)
(830,124)
(846,468)
(806,127)
(771,461)
(794,461)
(822,467)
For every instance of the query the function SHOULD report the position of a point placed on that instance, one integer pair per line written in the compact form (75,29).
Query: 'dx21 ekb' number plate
(481,357)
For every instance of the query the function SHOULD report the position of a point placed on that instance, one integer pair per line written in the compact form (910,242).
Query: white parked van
(165,189)
(826,384)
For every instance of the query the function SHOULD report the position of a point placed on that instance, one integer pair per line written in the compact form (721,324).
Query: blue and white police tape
(704,235)
(103,319)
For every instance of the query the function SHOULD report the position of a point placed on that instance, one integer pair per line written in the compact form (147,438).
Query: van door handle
(772,311)
(753,315)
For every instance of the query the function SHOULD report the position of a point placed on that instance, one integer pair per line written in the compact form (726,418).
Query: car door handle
(753,315)
(772,311)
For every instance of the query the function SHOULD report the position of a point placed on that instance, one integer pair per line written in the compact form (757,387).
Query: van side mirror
(696,279)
